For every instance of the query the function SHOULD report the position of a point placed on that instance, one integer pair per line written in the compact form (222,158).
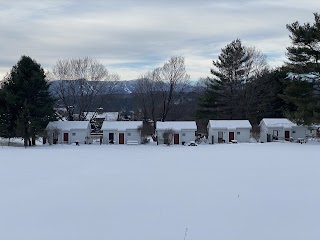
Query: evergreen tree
(6,124)
(263,96)
(27,95)
(304,54)
(299,94)
(225,96)
(303,87)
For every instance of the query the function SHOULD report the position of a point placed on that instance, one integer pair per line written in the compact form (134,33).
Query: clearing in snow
(231,191)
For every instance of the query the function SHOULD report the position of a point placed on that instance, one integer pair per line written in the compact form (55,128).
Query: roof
(108,116)
(229,124)
(67,125)
(112,116)
(177,125)
(120,125)
(278,122)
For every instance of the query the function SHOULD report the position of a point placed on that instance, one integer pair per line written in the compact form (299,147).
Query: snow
(278,122)
(120,125)
(68,125)
(228,191)
(108,116)
(112,116)
(177,125)
(229,124)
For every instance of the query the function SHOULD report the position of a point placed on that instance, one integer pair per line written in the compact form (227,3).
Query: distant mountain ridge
(120,87)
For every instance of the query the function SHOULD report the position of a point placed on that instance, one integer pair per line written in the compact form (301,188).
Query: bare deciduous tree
(160,91)
(256,64)
(176,81)
(82,81)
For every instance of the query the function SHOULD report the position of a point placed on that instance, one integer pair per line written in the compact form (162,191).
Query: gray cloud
(131,37)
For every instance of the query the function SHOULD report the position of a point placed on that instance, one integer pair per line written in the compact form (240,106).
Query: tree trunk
(25,142)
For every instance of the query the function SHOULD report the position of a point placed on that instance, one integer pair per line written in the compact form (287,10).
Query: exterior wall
(61,137)
(280,130)
(81,135)
(134,136)
(299,132)
(263,132)
(106,136)
(210,134)
(189,135)
(213,138)
(295,132)
(160,136)
(243,136)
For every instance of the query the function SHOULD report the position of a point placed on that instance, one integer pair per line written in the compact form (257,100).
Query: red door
(121,138)
(65,137)
(231,136)
(176,138)
(286,135)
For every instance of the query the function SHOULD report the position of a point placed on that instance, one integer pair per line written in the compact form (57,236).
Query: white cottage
(121,132)
(224,131)
(68,132)
(183,131)
(280,129)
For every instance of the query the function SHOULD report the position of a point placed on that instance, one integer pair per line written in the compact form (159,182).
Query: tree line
(241,86)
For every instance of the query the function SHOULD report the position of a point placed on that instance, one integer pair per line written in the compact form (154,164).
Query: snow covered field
(230,191)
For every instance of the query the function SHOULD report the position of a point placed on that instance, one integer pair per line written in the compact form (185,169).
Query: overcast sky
(132,37)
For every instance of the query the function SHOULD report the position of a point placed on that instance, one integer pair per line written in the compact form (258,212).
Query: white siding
(299,132)
(135,136)
(295,132)
(263,132)
(160,136)
(61,134)
(189,136)
(132,135)
(215,132)
(243,136)
(210,134)
(80,135)
(280,130)
(76,130)
(106,136)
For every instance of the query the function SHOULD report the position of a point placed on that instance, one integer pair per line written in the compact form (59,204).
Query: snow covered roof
(108,116)
(120,125)
(229,124)
(111,116)
(67,125)
(177,125)
(278,122)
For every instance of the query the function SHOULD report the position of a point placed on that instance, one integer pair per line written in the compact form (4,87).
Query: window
(111,136)
(73,134)
(183,134)
(238,133)
(129,134)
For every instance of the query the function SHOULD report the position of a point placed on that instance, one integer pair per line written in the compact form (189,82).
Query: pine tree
(6,124)
(304,54)
(303,87)
(28,98)
(263,96)
(225,95)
